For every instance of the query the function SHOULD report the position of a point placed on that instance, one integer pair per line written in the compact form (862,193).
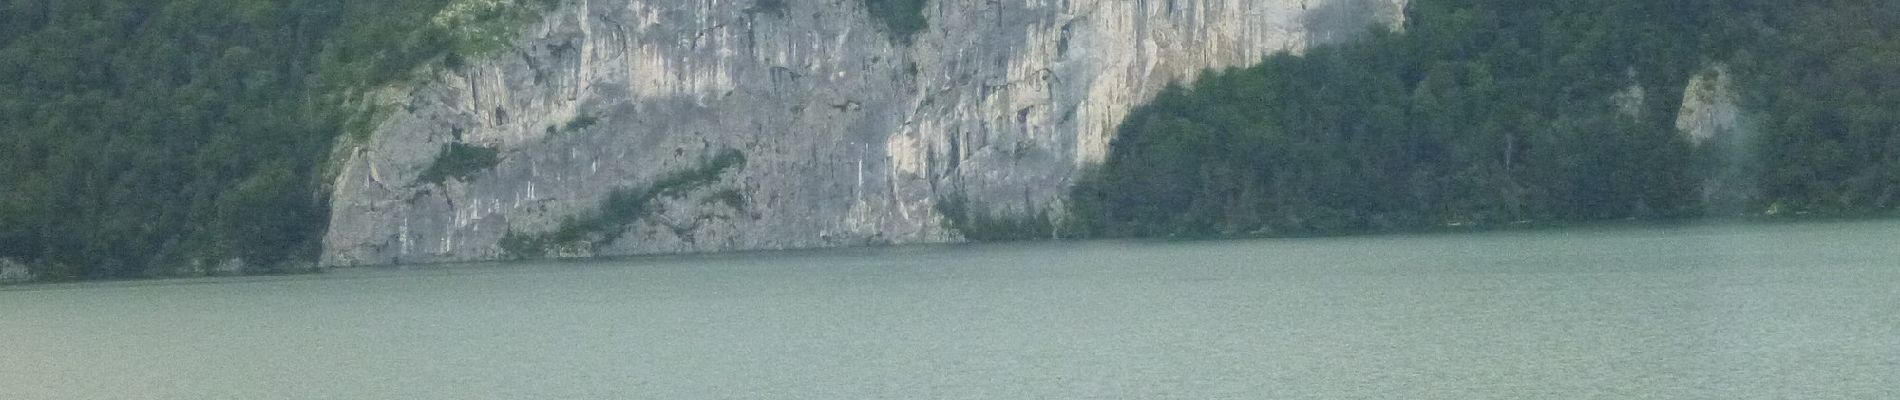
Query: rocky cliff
(849,134)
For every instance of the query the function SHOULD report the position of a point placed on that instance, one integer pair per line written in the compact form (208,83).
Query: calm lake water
(1796,311)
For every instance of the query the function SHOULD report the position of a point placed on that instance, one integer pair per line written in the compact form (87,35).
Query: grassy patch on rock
(621,208)
(459,161)
(903,18)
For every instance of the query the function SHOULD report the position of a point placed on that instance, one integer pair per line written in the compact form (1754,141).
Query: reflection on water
(1779,311)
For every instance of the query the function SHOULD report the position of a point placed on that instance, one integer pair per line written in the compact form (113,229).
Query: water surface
(1717,312)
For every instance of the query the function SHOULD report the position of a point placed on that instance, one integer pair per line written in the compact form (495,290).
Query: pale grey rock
(1710,106)
(851,137)
(1630,101)
(14,272)
(233,266)
(1712,119)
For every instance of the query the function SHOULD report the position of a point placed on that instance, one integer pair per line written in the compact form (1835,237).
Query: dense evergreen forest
(1489,112)
(140,137)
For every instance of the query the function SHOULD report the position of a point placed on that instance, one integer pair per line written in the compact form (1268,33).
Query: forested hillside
(151,137)
(1501,111)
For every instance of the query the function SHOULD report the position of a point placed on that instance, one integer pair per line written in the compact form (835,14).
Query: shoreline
(662,258)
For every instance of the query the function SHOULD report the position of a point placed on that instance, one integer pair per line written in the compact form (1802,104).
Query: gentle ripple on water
(1716,311)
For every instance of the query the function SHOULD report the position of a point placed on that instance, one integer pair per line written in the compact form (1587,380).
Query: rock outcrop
(1710,106)
(1713,120)
(14,272)
(850,135)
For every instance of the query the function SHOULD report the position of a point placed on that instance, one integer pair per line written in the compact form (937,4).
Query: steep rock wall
(850,137)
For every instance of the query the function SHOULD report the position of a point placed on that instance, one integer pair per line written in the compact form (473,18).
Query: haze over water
(1718,311)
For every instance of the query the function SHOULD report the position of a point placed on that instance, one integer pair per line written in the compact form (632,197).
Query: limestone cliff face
(850,136)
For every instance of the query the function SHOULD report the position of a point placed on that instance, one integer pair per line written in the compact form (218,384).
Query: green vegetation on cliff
(142,138)
(1495,111)
(903,17)
(139,138)
(622,208)
(459,161)
(977,222)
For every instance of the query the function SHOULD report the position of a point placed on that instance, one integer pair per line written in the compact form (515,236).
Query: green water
(1801,311)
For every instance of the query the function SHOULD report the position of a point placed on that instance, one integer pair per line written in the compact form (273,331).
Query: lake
(1717,311)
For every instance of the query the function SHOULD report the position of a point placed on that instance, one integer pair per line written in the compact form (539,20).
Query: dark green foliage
(774,7)
(1494,111)
(729,197)
(621,208)
(902,17)
(1827,82)
(140,137)
(579,123)
(460,161)
(978,223)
